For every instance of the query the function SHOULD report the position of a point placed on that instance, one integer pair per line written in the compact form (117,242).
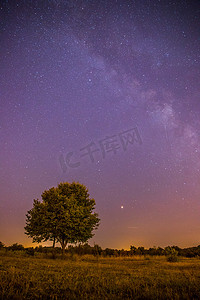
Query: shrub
(1,245)
(172,254)
(15,247)
(30,251)
(172,258)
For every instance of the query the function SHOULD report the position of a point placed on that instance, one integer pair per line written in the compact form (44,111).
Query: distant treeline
(97,250)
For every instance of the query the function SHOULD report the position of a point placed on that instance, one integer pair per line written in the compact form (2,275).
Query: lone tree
(64,215)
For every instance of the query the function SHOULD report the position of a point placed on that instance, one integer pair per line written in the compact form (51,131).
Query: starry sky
(106,93)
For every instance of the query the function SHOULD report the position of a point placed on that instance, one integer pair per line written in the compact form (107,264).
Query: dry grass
(88,277)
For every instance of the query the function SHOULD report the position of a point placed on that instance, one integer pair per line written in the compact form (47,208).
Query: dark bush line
(96,250)
(186,252)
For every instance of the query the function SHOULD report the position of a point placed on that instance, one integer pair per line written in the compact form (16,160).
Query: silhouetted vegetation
(15,247)
(172,252)
(1,245)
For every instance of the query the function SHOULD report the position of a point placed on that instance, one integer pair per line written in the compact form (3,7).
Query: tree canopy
(64,215)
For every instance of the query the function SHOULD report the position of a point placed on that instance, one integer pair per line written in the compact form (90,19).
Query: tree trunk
(54,241)
(63,250)
(63,245)
(53,250)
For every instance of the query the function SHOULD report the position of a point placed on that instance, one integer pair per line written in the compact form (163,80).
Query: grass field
(88,277)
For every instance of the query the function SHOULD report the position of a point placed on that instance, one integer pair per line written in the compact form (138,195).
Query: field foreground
(88,277)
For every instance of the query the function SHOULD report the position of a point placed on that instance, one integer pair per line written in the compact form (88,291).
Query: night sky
(106,93)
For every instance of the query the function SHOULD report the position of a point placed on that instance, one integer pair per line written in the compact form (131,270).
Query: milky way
(106,93)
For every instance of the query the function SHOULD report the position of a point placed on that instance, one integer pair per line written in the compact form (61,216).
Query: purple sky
(76,74)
